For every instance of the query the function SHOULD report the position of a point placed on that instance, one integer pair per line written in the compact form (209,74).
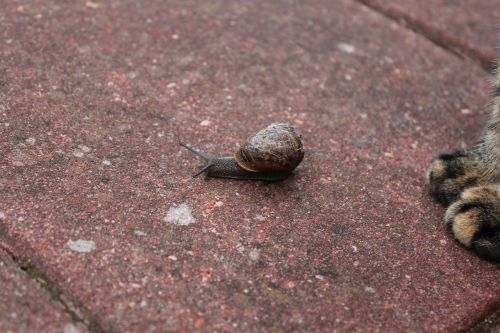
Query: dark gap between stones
(434,35)
(488,325)
(40,277)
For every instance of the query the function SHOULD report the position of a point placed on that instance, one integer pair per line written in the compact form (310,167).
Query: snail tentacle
(210,161)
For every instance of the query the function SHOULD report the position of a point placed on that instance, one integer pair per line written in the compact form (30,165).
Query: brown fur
(468,183)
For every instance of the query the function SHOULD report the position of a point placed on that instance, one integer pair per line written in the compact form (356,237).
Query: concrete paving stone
(95,95)
(26,307)
(467,27)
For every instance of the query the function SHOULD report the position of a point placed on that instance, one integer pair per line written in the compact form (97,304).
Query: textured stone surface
(93,99)
(26,307)
(467,27)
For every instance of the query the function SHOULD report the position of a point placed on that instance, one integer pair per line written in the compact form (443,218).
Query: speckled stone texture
(26,307)
(469,28)
(97,193)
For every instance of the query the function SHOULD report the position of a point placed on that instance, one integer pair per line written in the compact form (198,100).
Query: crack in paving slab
(433,34)
(489,325)
(41,278)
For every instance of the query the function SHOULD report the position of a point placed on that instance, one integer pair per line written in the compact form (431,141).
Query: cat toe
(449,174)
(475,220)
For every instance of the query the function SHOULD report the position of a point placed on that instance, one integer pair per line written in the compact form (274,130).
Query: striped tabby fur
(468,183)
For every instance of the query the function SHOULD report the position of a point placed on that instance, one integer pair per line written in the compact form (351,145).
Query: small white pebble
(106,162)
(354,248)
(143,304)
(442,242)
(85,149)
(348,77)
(171,85)
(81,245)
(92,4)
(206,122)
(31,141)
(465,111)
(77,153)
(407,277)
(228,97)
(175,37)
(139,233)
(370,290)
(2,216)
(219,204)
(347,48)
(180,215)
(173,258)
(254,254)
(132,75)
(260,218)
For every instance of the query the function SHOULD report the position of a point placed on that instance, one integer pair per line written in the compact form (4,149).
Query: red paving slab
(466,27)
(98,194)
(26,307)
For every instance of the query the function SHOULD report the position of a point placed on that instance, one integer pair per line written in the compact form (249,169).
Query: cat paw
(475,220)
(450,174)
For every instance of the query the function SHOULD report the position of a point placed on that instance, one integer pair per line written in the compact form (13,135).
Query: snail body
(270,154)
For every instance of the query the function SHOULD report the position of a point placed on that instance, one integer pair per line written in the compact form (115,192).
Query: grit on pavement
(103,228)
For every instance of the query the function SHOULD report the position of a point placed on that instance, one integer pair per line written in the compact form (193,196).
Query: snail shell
(275,148)
(270,154)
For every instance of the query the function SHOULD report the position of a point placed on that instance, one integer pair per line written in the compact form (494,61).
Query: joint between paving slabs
(489,324)
(41,278)
(434,35)
(43,281)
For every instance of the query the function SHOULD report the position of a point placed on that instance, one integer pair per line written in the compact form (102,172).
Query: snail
(270,154)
